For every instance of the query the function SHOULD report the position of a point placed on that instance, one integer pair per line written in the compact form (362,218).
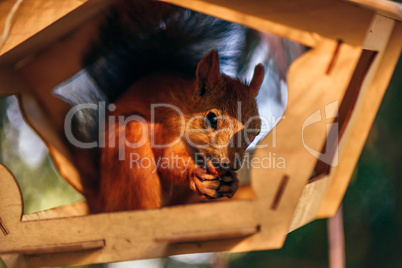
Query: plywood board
(296,20)
(38,23)
(31,17)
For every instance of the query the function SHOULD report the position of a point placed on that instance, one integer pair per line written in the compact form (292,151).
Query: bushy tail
(140,37)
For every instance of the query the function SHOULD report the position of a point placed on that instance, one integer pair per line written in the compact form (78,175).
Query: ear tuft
(207,71)
(258,77)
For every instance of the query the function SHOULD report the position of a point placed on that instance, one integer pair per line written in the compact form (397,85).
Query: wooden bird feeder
(354,45)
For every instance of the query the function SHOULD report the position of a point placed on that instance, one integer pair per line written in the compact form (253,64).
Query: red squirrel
(148,53)
(215,119)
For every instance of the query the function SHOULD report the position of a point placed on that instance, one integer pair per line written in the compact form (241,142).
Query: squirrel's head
(224,119)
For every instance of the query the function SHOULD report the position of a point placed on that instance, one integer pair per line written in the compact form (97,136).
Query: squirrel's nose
(235,168)
(225,164)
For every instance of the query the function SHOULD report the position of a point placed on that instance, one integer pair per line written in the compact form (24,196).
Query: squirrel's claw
(209,186)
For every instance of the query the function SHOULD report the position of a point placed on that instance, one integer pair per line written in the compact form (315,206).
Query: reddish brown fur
(125,188)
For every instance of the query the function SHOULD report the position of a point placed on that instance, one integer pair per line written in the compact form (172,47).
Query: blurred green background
(372,204)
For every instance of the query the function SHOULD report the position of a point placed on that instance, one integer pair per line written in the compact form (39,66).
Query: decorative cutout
(208,235)
(279,192)
(3,227)
(57,248)
(334,57)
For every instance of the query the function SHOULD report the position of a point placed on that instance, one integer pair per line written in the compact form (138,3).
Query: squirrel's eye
(212,120)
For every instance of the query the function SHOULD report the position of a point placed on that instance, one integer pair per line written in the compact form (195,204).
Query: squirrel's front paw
(210,186)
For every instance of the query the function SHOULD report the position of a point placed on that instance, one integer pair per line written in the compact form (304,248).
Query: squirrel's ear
(207,72)
(256,82)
